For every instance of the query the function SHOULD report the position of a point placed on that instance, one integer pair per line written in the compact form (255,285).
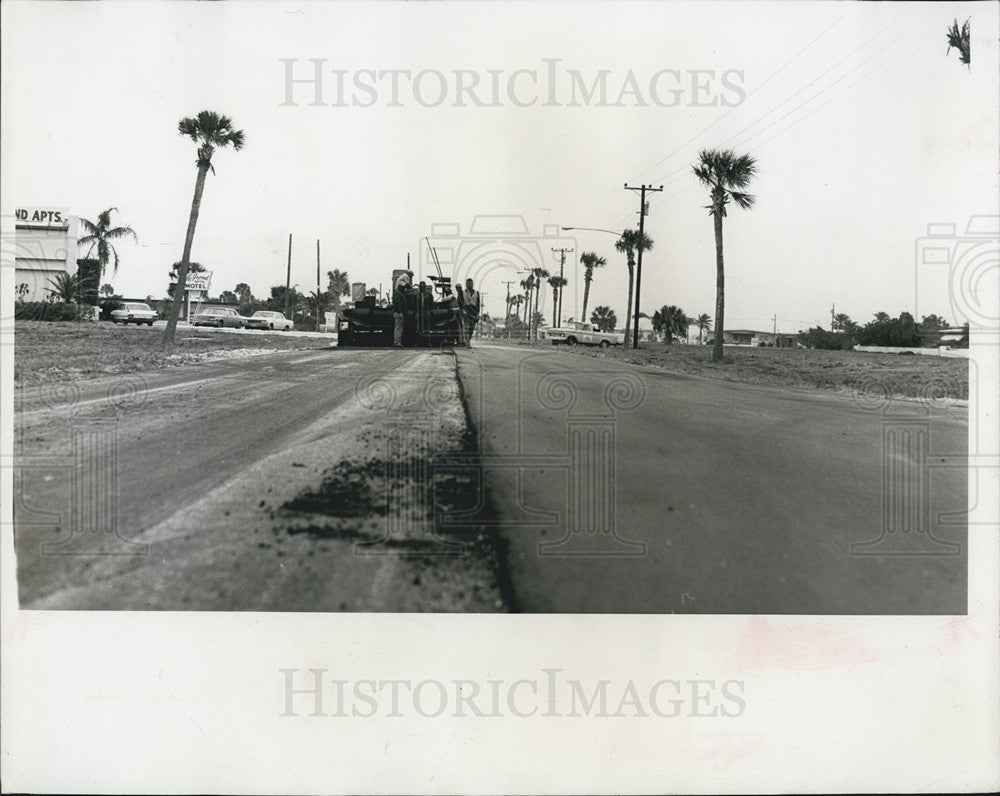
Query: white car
(584,334)
(265,319)
(136,312)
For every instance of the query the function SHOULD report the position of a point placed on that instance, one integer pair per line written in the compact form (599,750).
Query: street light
(596,229)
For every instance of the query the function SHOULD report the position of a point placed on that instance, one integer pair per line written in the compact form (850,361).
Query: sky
(864,129)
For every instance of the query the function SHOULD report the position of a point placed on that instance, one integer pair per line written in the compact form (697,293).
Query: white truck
(583,333)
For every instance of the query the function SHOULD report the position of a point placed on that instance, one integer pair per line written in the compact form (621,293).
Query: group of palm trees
(726,175)
(723,172)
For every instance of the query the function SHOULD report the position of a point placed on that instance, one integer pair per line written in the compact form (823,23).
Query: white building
(44,245)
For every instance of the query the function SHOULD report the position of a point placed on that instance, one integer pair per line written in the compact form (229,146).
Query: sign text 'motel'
(41,217)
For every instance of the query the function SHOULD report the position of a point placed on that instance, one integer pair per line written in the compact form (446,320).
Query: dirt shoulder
(865,373)
(49,352)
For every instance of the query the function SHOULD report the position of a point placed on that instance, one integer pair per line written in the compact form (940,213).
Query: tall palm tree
(528,284)
(209,131)
(704,324)
(557,283)
(540,275)
(338,284)
(670,321)
(630,243)
(725,174)
(100,234)
(590,261)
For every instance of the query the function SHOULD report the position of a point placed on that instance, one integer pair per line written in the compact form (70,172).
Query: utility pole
(317,284)
(562,265)
(288,281)
(775,319)
(507,310)
(643,209)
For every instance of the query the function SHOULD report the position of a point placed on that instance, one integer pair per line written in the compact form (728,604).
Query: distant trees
(670,322)
(723,172)
(107,290)
(882,330)
(704,324)
(604,319)
(228,297)
(337,284)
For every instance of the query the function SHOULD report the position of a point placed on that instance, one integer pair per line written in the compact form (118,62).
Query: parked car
(136,312)
(584,334)
(219,316)
(265,319)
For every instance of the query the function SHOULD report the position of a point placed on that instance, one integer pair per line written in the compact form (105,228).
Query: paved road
(722,498)
(255,484)
(247,484)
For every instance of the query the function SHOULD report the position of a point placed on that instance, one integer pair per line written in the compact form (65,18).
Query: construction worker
(399,294)
(469,302)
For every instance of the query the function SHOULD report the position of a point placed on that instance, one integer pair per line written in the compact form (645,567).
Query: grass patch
(862,372)
(48,352)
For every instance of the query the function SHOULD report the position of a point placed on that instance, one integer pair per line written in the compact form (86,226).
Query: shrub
(49,311)
(108,306)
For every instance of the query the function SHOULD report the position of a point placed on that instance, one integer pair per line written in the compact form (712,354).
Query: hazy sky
(865,131)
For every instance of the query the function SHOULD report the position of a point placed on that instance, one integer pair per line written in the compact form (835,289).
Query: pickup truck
(584,334)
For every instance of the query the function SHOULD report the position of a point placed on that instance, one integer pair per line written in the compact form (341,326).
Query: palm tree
(540,275)
(604,319)
(107,290)
(100,235)
(528,284)
(590,261)
(630,243)
(960,40)
(670,321)
(842,322)
(65,287)
(209,131)
(338,284)
(557,283)
(882,317)
(704,324)
(722,171)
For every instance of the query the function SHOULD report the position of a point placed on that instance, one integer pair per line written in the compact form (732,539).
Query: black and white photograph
(385,382)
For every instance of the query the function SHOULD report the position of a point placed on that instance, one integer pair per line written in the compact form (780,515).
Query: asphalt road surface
(491,479)
(631,490)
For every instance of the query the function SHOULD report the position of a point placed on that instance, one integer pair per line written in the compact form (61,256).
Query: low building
(44,246)
(752,337)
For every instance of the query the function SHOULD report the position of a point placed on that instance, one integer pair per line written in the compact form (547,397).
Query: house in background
(752,337)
